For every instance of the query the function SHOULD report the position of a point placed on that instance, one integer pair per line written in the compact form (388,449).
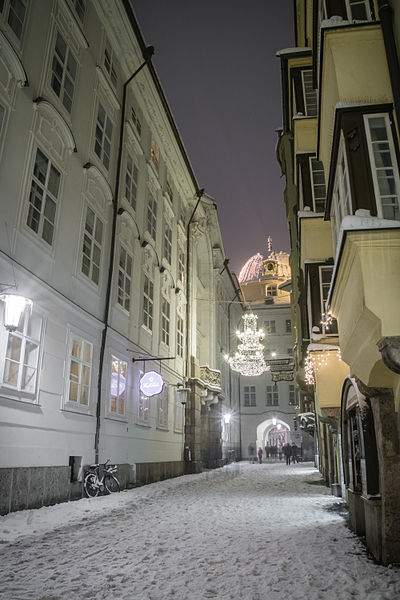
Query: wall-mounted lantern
(14,307)
(183,393)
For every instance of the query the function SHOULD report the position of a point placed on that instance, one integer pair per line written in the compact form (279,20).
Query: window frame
(167,243)
(180,340)
(123,277)
(151,216)
(288,325)
(66,74)
(358,2)
(271,290)
(116,413)
(163,408)
(76,405)
(148,303)
(314,160)
(270,326)
(5,13)
(306,94)
(155,154)
(94,244)
(181,265)
(249,396)
(341,200)
(324,286)
(165,320)
(131,179)
(110,63)
(105,140)
(272,395)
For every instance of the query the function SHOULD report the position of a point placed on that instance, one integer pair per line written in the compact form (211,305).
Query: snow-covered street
(241,532)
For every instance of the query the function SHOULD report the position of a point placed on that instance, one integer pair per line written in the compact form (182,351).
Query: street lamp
(183,393)
(15,306)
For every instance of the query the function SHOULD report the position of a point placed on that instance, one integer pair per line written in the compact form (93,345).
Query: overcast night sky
(217,65)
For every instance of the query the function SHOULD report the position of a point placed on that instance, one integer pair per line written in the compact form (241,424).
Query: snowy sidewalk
(254,532)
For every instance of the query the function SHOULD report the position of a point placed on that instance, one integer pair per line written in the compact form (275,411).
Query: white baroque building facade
(104,228)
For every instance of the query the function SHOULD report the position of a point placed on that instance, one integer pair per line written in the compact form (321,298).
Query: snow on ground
(251,532)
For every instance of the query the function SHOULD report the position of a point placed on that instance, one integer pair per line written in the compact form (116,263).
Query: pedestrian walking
(260,455)
(287,450)
(294,453)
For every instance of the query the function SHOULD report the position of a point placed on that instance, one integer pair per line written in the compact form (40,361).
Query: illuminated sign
(151,383)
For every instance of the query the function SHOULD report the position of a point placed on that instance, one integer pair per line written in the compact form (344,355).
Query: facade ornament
(389,347)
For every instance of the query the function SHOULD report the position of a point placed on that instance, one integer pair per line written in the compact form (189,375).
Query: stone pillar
(193,428)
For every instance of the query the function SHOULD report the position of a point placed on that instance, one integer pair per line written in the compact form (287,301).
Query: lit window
(118,386)
(63,72)
(162,408)
(22,354)
(43,197)
(136,122)
(143,409)
(250,395)
(155,153)
(148,298)
(103,137)
(310,94)
(179,336)
(152,216)
(272,398)
(165,321)
(80,364)
(318,185)
(109,62)
(131,181)
(325,277)
(124,279)
(91,250)
(385,171)
(272,290)
(167,243)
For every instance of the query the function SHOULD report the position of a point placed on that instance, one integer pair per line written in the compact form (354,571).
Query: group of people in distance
(289,451)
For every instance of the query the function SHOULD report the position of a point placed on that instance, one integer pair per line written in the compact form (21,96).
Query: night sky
(217,65)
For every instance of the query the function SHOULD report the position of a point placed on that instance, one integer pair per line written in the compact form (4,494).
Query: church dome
(252,269)
(255,267)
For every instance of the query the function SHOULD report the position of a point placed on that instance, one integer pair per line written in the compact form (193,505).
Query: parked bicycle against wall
(101,478)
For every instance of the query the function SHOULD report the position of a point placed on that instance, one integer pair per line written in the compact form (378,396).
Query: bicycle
(106,483)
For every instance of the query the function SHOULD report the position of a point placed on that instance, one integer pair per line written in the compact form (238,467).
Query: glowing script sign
(151,383)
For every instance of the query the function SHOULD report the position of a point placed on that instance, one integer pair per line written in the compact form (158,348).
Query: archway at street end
(273,432)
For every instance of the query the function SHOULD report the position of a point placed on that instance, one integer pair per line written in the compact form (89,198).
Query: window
(79,9)
(63,72)
(167,243)
(290,351)
(272,398)
(148,294)
(131,181)
(165,321)
(169,190)
(91,251)
(152,216)
(118,386)
(341,202)
(318,185)
(155,154)
(179,411)
(249,395)
(80,367)
(272,290)
(181,265)
(102,144)
(143,414)
(325,277)
(124,279)
(109,62)
(14,12)
(22,354)
(162,408)
(179,336)
(136,122)
(288,326)
(292,395)
(358,10)
(270,327)
(385,172)
(310,94)
(43,197)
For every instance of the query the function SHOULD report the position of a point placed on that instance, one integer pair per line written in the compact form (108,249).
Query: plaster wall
(316,239)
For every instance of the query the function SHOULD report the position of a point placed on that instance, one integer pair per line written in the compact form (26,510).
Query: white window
(165,321)
(310,94)
(270,326)
(110,63)
(271,290)
(45,187)
(167,243)
(181,265)
(136,122)
(250,395)
(292,395)
(148,298)
(179,336)
(124,278)
(21,358)
(288,323)
(162,408)
(152,216)
(143,409)
(103,136)
(272,398)
(318,185)
(358,10)
(178,412)
(325,278)
(341,199)
(80,368)
(91,250)
(131,180)
(63,72)
(14,12)
(118,386)
(155,153)
(384,167)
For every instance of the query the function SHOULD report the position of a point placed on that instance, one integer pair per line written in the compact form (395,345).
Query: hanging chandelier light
(249,357)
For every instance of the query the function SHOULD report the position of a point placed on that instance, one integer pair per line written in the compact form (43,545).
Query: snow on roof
(321,347)
(295,50)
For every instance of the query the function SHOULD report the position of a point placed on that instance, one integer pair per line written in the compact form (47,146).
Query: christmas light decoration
(316,360)
(249,357)
(326,321)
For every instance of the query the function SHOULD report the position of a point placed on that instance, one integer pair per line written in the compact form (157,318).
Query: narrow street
(241,532)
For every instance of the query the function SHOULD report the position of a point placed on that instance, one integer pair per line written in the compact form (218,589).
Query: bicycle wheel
(111,484)
(91,485)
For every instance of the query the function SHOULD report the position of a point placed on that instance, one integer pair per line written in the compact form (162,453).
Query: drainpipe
(147,54)
(385,11)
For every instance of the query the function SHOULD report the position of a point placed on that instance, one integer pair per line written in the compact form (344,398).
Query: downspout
(386,17)
(147,54)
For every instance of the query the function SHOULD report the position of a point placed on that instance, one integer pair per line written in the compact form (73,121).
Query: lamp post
(14,307)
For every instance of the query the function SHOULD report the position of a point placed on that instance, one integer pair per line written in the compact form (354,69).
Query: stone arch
(274,431)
